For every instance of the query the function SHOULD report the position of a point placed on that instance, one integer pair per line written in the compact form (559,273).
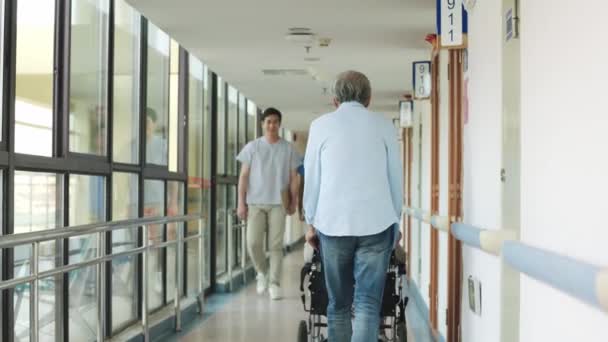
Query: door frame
(455,76)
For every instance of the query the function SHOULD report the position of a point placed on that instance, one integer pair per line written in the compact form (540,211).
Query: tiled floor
(246,316)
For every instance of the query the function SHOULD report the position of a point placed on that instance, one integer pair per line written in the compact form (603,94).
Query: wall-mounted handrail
(419,214)
(579,279)
(490,241)
(441,223)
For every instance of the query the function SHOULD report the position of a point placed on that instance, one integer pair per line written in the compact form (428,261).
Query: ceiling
(239,38)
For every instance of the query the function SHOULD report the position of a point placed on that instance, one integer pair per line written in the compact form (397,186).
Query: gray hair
(352,86)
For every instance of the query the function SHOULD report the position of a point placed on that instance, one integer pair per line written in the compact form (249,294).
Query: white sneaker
(275,292)
(262,283)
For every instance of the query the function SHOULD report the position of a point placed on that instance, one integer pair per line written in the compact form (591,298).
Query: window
(34,77)
(232,118)
(221,127)
(221,234)
(207,180)
(125,194)
(38,201)
(87,205)
(174,121)
(252,122)
(175,207)
(154,206)
(196,95)
(242,122)
(1,69)
(157,118)
(127,27)
(88,79)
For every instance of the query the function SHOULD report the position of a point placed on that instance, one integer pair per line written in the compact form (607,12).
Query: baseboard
(223,285)
(162,323)
(423,309)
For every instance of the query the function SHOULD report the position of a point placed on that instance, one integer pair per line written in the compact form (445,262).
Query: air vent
(300,35)
(312,59)
(285,72)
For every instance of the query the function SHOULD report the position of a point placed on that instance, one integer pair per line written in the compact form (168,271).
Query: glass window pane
(242,122)
(87,205)
(207,182)
(175,207)
(89,76)
(221,126)
(127,27)
(195,135)
(83,304)
(174,122)
(194,268)
(236,244)
(154,205)
(232,130)
(125,192)
(38,201)
(34,77)
(87,199)
(124,291)
(1,69)
(157,116)
(252,124)
(48,292)
(38,206)
(221,234)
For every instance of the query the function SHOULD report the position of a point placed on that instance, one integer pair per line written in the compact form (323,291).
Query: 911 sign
(451,23)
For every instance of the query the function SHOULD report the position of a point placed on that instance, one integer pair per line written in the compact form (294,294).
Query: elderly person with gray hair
(352,201)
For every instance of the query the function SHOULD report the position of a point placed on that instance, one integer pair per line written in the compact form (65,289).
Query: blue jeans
(355,270)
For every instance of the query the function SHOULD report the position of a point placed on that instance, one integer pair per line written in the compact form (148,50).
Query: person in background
(352,201)
(267,191)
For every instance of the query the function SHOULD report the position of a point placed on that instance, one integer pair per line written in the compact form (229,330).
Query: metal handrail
(12,240)
(232,226)
(36,238)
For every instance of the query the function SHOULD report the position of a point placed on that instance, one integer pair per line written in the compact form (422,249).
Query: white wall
(482,164)
(564,165)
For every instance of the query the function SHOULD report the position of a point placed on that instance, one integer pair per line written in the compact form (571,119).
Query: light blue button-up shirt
(353,184)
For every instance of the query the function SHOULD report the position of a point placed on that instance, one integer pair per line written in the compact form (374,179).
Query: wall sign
(452,23)
(422,80)
(406,113)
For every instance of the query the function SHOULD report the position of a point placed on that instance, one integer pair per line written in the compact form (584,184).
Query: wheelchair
(392,323)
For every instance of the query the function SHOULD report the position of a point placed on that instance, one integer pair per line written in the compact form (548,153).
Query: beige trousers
(268,219)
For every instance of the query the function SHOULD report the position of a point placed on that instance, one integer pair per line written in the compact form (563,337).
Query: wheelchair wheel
(302,332)
(401,332)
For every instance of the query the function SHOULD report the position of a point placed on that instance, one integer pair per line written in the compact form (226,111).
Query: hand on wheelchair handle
(312,238)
